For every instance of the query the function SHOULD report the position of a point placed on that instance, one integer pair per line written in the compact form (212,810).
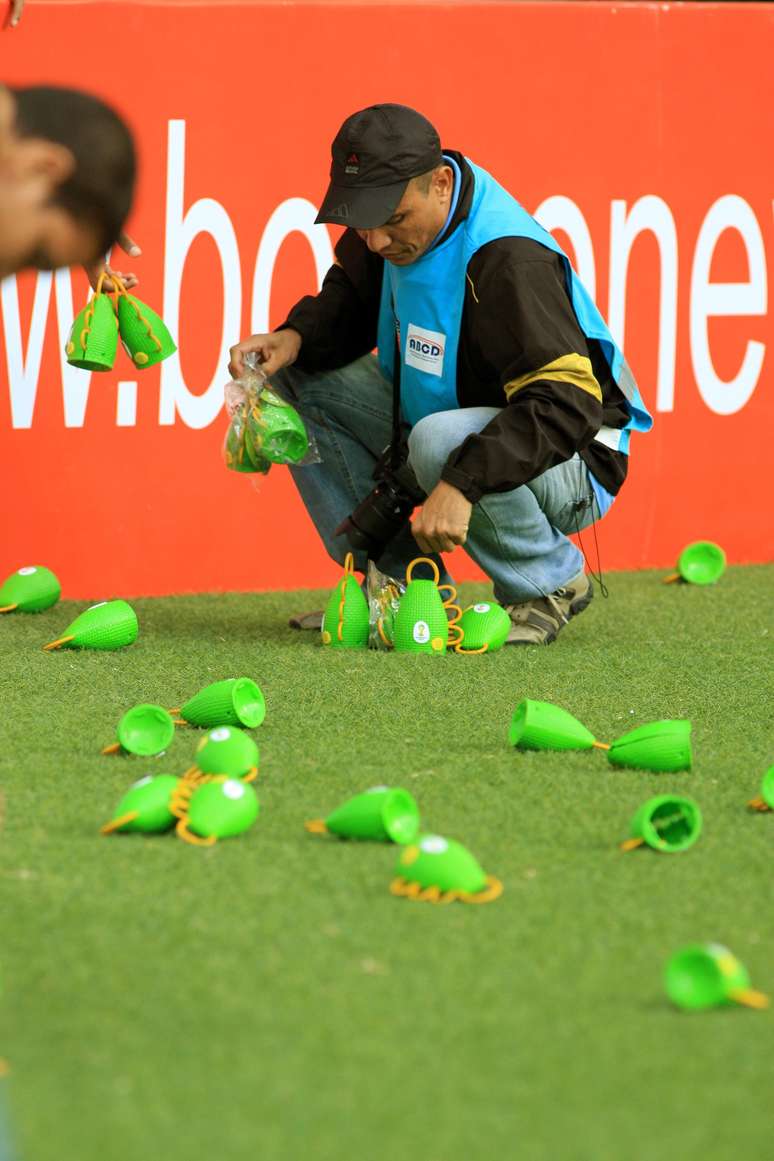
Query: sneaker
(307,620)
(538,622)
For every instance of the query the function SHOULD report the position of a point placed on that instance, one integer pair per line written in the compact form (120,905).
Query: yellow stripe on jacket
(575,369)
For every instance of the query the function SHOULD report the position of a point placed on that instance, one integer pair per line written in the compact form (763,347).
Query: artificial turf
(270,999)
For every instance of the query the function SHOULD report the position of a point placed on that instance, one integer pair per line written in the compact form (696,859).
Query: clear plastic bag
(384,594)
(263,428)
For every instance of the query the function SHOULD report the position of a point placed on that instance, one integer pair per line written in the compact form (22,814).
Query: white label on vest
(424,350)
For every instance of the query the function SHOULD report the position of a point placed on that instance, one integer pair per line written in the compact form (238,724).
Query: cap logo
(340,211)
(352,164)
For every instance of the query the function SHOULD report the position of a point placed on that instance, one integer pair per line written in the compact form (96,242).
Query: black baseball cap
(374,155)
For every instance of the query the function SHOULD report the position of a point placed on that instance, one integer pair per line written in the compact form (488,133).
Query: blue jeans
(517,538)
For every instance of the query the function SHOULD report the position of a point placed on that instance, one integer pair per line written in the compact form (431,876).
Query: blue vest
(424,302)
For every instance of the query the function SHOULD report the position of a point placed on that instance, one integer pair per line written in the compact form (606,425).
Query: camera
(383,513)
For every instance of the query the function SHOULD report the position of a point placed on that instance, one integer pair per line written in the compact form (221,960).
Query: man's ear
(443,179)
(39,160)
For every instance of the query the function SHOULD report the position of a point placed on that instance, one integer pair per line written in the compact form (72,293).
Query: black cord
(395,446)
(597,576)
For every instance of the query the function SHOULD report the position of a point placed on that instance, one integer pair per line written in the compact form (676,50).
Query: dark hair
(425,180)
(101,187)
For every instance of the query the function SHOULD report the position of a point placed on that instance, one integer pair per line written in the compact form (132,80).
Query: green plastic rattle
(707,975)
(667,822)
(93,338)
(227,751)
(381,813)
(220,809)
(108,625)
(144,334)
(238,451)
(421,623)
(29,590)
(276,431)
(237,701)
(439,870)
(345,622)
(540,725)
(145,807)
(765,800)
(663,747)
(146,730)
(700,563)
(485,627)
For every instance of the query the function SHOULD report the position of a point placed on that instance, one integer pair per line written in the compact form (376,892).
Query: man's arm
(523,322)
(523,334)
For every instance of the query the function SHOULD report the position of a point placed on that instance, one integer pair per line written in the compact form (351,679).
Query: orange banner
(638,133)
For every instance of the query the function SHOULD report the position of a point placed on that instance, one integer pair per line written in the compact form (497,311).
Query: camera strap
(395,442)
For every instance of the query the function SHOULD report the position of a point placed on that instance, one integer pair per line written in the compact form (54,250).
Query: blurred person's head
(67,176)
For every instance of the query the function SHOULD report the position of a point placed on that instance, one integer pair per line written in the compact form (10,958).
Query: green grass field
(270,999)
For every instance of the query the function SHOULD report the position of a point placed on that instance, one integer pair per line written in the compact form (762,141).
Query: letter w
(23,373)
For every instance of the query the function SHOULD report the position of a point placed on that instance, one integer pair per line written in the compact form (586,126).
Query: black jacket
(520,349)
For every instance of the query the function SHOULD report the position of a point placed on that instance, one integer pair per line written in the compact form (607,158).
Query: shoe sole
(581,603)
(307,622)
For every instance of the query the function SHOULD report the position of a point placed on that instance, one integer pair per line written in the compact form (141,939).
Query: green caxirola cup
(145,729)
(439,870)
(31,589)
(219,809)
(421,623)
(668,823)
(144,334)
(662,747)
(107,625)
(345,622)
(236,701)
(700,563)
(765,800)
(383,814)
(93,339)
(485,627)
(277,431)
(237,457)
(228,751)
(708,975)
(540,725)
(145,807)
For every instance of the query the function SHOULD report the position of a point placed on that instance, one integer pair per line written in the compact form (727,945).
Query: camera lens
(378,518)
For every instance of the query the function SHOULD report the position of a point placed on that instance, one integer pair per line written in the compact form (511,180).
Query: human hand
(94,272)
(274,351)
(443,519)
(14,13)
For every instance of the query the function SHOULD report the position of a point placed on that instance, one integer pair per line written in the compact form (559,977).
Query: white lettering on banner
(293,215)
(716,299)
(23,373)
(205,216)
(424,350)
(647,213)
(126,404)
(561,213)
